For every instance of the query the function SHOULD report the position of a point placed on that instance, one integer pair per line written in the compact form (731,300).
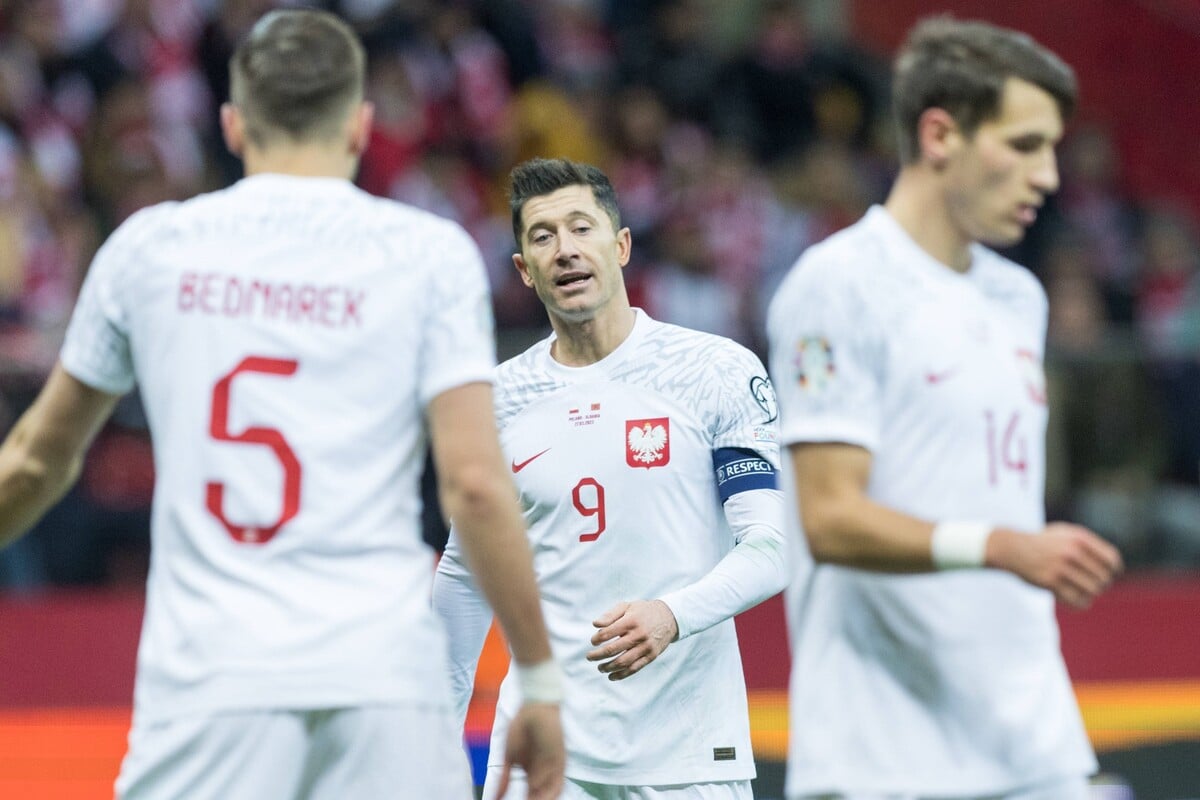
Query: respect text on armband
(748,466)
(740,469)
(218,294)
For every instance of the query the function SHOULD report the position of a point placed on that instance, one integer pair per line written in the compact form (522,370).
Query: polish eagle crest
(647,442)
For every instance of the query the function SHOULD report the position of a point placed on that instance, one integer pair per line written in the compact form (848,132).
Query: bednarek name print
(218,294)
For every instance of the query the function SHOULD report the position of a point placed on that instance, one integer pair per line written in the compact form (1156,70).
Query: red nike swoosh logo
(939,377)
(518,467)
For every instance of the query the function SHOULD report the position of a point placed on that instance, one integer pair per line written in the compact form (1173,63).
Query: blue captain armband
(740,469)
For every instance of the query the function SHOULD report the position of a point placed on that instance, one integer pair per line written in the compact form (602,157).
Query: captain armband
(740,469)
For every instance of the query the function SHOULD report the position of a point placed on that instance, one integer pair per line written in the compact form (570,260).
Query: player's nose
(1044,176)
(568,248)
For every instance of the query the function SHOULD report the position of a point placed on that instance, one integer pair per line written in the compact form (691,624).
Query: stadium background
(737,133)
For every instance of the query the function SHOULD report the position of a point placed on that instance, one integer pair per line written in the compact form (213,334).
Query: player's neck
(917,204)
(306,161)
(579,344)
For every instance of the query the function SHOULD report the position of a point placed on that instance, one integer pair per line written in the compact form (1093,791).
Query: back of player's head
(542,176)
(297,74)
(961,67)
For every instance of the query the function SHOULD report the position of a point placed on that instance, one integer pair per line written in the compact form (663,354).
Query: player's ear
(624,246)
(233,129)
(938,136)
(360,124)
(523,269)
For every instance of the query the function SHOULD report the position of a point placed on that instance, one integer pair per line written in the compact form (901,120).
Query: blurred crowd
(735,137)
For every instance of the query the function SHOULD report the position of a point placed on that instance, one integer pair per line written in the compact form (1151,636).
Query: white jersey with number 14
(942,683)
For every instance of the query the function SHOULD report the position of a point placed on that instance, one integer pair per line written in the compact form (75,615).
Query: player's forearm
(493,540)
(755,569)
(858,532)
(43,453)
(29,485)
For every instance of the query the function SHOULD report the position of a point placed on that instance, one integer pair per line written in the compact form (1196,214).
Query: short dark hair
(297,74)
(541,176)
(961,66)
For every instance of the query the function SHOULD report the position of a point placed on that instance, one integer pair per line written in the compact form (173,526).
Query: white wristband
(959,545)
(540,683)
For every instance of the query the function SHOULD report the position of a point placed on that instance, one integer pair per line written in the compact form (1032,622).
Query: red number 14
(1007,448)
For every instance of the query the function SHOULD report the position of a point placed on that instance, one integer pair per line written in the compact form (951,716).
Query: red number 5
(218,428)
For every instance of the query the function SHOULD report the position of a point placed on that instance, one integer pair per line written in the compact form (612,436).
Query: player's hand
(1069,560)
(632,635)
(535,743)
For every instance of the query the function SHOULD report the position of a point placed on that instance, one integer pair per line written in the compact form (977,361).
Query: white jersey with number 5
(614,465)
(949,683)
(286,334)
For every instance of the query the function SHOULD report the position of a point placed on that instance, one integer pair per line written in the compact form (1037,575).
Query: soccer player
(646,456)
(291,336)
(908,358)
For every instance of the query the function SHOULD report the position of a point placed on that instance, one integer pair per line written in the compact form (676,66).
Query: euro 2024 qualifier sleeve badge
(813,361)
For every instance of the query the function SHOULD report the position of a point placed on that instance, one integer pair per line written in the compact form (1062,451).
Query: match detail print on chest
(584,448)
(978,369)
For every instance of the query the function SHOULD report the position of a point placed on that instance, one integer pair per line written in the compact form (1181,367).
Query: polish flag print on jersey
(648,442)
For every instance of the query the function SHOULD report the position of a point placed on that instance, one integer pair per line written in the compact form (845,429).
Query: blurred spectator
(684,286)
(637,164)
(1168,321)
(513,23)
(815,193)
(229,21)
(547,121)
(766,96)
(577,47)
(730,196)
(461,71)
(735,137)
(404,123)
(675,57)
(132,160)
(1168,306)
(1105,443)
(1091,200)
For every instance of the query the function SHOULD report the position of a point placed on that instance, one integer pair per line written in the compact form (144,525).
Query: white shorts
(583,790)
(395,751)
(1059,789)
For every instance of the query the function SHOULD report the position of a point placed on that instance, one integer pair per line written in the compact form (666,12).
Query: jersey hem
(889,785)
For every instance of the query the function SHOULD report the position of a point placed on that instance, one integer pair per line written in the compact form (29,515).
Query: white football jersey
(614,465)
(286,334)
(942,683)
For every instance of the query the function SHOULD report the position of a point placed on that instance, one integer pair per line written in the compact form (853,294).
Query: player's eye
(581,229)
(1027,144)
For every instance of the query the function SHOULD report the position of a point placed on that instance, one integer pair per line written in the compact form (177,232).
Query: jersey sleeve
(745,451)
(459,340)
(748,413)
(467,618)
(97,350)
(827,357)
